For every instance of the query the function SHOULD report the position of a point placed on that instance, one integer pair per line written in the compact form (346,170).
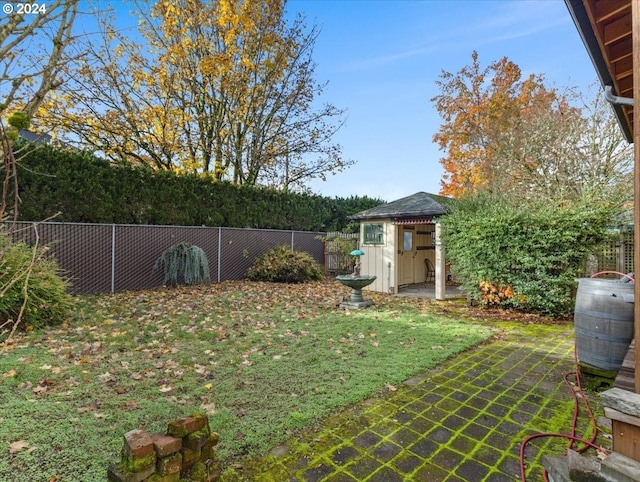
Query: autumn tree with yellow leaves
(224,87)
(518,137)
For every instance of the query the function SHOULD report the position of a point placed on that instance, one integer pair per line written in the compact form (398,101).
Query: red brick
(209,448)
(166,445)
(116,473)
(189,457)
(169,465)
(138,443)
(138,453)
(184,426)
(200,421)
(164,478)
(196,440)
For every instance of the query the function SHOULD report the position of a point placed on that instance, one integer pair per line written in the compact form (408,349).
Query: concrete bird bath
(356,282)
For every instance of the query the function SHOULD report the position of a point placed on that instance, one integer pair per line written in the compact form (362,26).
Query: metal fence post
(219,253)
(113,258)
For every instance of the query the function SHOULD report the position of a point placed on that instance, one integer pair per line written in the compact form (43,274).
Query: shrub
(522,256)
(284,265)
(183,263)
(48,302)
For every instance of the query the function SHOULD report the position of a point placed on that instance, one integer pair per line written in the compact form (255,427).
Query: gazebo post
(441,275)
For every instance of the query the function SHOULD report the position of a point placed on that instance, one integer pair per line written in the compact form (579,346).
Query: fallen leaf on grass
(19,446)
(89,408)
(131,405)
(390,387)
(210,408)
(9,374)
(39,389)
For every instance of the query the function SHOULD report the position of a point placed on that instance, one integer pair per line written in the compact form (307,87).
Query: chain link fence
(101,258)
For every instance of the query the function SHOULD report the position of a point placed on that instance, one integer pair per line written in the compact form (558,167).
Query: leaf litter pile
(262,360)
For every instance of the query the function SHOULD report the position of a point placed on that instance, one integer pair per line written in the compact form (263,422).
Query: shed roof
(420,204)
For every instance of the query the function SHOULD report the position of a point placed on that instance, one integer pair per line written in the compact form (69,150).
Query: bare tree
(32,44)
(31,62)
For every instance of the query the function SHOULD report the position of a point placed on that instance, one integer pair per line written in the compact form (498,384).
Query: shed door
(406,255)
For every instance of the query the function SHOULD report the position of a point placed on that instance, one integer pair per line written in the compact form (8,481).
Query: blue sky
(383,57)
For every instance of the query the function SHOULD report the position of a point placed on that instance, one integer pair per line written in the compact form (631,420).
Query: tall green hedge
(86,188)
(522,256)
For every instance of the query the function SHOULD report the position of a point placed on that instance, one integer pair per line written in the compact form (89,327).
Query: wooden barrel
(603,322)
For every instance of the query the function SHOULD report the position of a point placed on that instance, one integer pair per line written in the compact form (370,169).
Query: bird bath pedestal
(356,283)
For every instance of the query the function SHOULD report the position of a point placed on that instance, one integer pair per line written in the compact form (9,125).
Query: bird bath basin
(356,283)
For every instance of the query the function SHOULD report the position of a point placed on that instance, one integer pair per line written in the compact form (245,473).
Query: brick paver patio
(463,421)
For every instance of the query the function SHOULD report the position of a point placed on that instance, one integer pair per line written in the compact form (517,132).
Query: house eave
(592,27)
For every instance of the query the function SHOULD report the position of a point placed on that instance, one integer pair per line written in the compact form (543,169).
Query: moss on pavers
(463,422)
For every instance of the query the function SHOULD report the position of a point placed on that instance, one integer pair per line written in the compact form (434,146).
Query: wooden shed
(400,240)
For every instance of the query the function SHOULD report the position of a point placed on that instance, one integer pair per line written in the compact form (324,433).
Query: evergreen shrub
(183,263)
(284,265)
(86,188)
(522,255)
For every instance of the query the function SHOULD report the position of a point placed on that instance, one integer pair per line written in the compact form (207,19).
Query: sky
(382,58)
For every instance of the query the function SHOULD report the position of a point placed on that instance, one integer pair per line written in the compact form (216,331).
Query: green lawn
(263,360)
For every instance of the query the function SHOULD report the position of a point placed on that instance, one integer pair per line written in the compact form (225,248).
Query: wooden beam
(605,9)
(616,30)
(635,15)
(623,68)
(619,50)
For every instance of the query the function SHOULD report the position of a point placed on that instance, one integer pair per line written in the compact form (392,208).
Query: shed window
(408,241)
(374,233)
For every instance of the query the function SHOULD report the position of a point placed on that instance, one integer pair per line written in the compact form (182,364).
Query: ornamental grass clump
(183,263)
(284,265)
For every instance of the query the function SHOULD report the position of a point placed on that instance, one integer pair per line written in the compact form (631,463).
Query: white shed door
(406,255)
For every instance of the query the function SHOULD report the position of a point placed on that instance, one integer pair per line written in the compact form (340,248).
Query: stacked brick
(185,452)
